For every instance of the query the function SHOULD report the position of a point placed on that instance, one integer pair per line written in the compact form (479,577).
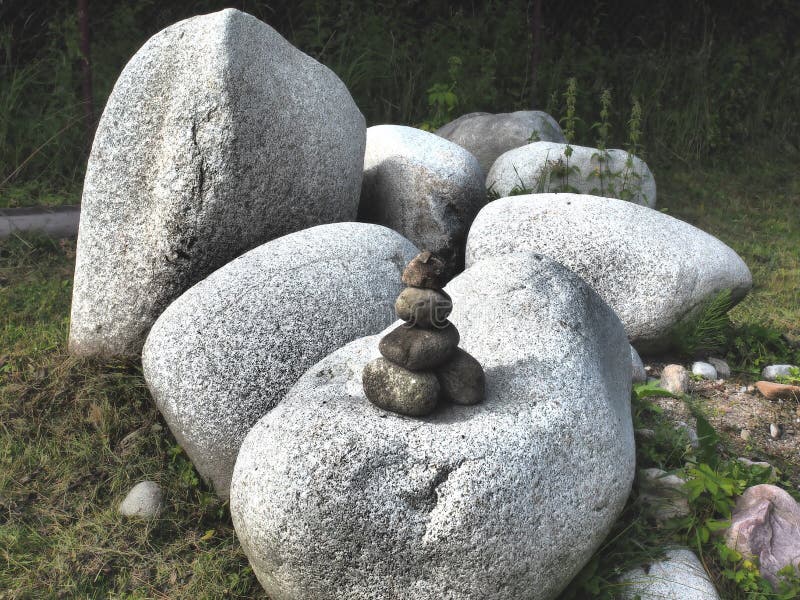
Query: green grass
(755,209)
(34,193)
(64,466)
(75,435)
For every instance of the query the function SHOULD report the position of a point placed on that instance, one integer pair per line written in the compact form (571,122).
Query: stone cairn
(421,361)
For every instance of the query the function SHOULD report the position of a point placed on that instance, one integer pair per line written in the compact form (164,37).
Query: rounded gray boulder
(218,136)
(652,269)
(333,497)
(424,187)
(226,351)
(487,135)
(544,167)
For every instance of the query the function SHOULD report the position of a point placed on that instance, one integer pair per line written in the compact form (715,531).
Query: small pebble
(704,370)
(772,372)
(744,434)
(774,431)
(145,500)
(422,307)
(675,379)
(426,270)
(722,368)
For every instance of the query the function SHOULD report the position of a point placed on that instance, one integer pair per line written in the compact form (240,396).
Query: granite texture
(545,167)
(652,269)
(226,351)
(217,137)
(680,576)
(487,135)
(424,187)
(145,500)
(333,497)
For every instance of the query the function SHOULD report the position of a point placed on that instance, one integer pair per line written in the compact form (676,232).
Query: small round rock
(462,379)
(704,370)
(423,307)
(399,390)
(675,379)
(419,349)
(145,500)
(426,270)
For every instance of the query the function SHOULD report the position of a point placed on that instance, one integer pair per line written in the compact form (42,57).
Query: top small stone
(426,270)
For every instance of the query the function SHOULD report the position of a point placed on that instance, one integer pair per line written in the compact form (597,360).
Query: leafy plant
(442,98)
(793,378)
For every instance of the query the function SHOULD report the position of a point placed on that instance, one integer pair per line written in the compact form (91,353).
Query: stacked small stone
(421,361)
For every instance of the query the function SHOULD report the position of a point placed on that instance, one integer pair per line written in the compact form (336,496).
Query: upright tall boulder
(654,270)
(487,135)
(334,497)
(226,351)
(218,136)
(424,187)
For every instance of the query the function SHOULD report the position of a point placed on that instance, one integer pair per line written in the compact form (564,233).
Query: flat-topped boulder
(335,497)
(654,270)
(218,136)
(226,351)
(544,167)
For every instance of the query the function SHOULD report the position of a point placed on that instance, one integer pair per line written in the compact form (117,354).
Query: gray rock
(426,270)
(334,498)
(704,370)
(422,186)
(638,372)
(544,167)
(399,390)
(766,525)
(218,136)
(419,349)
(487,136)
(226,351)
(423,307)
(675,379)
(652,269)
(721,366)
(680,576)
(145,500)
(664,494)
(775,431)
(462,379)
(772,372)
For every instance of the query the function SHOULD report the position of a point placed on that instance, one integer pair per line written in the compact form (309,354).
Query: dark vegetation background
(716,79)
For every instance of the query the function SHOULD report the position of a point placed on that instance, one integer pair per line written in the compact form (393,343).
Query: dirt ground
(742,416)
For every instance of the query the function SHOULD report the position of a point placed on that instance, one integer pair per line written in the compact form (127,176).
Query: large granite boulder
(422,186)
(544,167)
(333,497)
(218,136)
(766,525)
(226,351)
(679,576)
(653,270)
(487,135)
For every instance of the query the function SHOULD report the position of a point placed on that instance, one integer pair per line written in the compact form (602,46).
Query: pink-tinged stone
(778,391)
(766,525)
